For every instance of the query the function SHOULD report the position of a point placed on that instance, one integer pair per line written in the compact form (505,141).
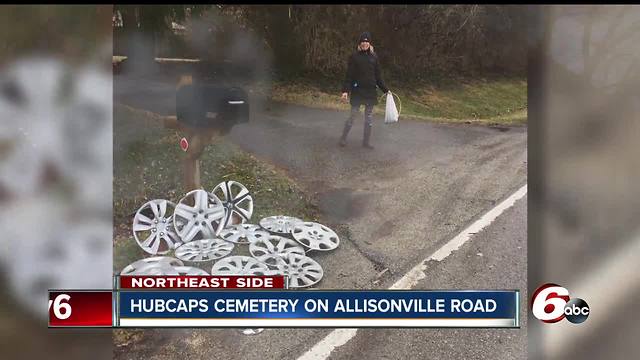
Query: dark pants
(368,121)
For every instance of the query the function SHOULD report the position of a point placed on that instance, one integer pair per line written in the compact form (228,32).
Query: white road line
(339,337)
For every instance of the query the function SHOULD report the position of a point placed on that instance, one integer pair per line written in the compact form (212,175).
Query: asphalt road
(392,206)
(493,259)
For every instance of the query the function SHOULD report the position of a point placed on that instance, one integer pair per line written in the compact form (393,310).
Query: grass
(486,101)
(148,166)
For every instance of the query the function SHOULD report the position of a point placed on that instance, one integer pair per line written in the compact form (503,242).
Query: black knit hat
(365,36)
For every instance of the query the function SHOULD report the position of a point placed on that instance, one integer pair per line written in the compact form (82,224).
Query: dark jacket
(363,75)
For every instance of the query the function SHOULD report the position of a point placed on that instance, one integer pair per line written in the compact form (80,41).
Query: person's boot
(345,132)
(367,137)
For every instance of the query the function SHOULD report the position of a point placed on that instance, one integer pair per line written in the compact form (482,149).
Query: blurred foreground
(55,173)
(585,200)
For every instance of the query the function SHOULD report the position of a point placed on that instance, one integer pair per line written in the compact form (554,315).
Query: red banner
(80,309)
(202,282)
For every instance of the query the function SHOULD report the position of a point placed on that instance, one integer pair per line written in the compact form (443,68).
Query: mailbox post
(197,142)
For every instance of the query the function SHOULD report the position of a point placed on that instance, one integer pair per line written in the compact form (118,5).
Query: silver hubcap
(243,233)
(188,270)
(269,249)
(315,236)
(239,265)
(204,250)
(279,224)
(237,201)
(152,266)
(153,227)
(198,215)
(302,270)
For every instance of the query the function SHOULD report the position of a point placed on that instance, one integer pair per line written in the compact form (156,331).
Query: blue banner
(388,304)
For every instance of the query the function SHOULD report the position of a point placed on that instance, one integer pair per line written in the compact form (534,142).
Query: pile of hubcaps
(209,226)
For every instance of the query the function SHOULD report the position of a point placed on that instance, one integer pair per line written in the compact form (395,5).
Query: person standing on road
(363,75)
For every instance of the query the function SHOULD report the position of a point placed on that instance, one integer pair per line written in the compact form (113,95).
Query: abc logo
(551,303)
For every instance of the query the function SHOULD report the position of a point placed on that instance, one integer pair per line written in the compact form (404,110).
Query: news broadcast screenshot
(326,181)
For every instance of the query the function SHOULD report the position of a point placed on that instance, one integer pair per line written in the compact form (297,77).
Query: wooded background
(412,41)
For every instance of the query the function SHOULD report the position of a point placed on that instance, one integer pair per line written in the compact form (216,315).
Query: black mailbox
(211,106)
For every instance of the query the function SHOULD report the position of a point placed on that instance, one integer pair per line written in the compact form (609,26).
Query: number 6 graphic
(58,305)
(548,302)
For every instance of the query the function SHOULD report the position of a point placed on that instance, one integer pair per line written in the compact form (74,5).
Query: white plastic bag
(391,113)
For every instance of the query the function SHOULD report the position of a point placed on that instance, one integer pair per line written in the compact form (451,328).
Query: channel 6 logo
(551,303)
